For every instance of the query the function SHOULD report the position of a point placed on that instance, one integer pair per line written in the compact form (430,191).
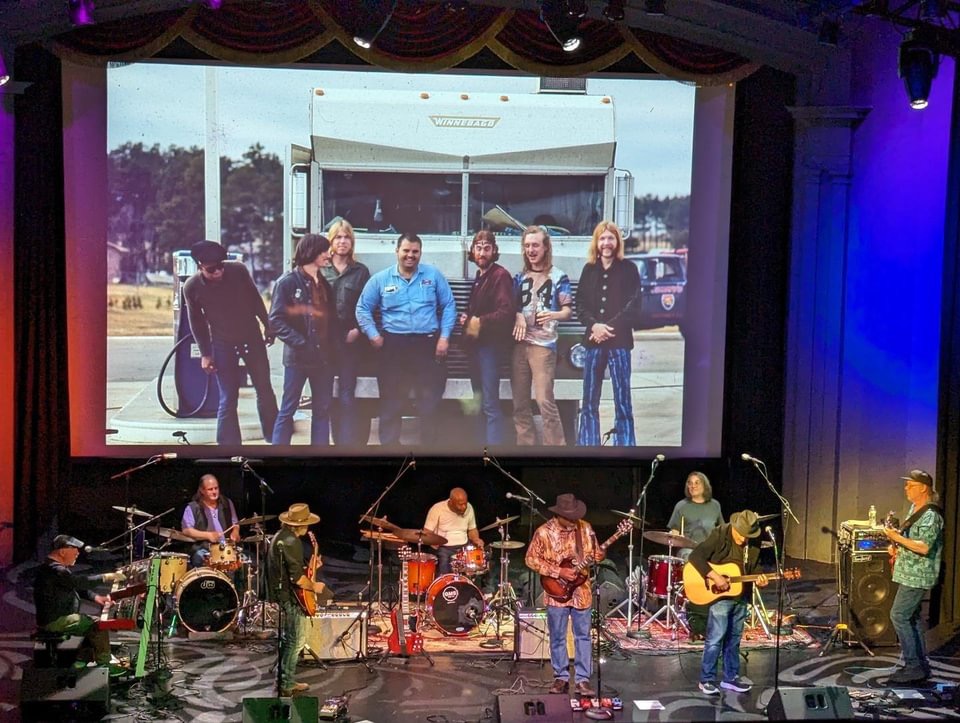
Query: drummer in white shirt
(455,520)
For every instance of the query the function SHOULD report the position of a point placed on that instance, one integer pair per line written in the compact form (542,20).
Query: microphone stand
(639,509)
(405,466)
(264,489)
(530,503)
(129,505)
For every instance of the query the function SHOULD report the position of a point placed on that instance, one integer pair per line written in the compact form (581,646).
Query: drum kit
(665,580)
(212,598)
(452,602)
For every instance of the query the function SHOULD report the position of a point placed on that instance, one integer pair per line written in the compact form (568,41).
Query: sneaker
(709,688)
(559,686)
(741,685)
(297,689)
(906,676)
(583,689)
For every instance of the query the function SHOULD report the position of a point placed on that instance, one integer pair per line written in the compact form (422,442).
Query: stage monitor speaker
(823,703)
(533,708)
(866,579)
(275,710)
(534,637)
(337,634)
(65,693)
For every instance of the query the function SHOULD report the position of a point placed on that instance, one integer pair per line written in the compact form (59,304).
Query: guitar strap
(911,520)
(580,542)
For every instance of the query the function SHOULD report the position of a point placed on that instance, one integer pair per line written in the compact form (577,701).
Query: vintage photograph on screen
(443,261)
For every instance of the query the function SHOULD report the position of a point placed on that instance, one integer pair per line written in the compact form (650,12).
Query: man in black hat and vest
(56,595)
(206,519)
(729,543)
(564,537)
(285,575)
(223,305)
(917,550)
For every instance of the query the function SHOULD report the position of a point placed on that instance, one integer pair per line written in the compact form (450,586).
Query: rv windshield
(566,205)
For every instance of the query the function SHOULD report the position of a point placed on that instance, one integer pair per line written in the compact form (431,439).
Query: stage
(207,678)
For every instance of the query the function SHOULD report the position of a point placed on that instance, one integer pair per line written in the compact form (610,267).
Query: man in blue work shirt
(417,314)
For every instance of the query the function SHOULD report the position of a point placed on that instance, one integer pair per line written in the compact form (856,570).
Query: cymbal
(132,511)
(668,538)
(256,519)
(630,516)
(253,538)
(497,522)
(381,522)
(388,538)
(169,533)
(507,544)
(422,536)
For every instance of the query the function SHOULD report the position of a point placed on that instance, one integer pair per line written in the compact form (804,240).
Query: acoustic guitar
(562,590)
(700,591)
(308,598)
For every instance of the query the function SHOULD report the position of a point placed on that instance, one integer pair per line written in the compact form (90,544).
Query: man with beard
(487,324)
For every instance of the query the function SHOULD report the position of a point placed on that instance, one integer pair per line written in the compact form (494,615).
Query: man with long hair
(543,301)
(606,297)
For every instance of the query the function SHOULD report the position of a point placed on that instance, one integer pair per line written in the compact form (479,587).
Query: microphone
(769,531)
(167,455)
(659,458)
(486,457)
(413,463)
(94,548)
(747,458)
(511,496)
(763,518)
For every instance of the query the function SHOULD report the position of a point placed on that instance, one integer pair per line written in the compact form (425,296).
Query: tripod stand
(841,632)
(504,600)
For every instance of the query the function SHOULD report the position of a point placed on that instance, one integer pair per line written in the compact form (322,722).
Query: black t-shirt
(719,548)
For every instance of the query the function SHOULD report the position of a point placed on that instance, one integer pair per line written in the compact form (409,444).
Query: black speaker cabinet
(534,638)
(826,703)
(539,708)
(64,693)
(865,577)
(338,633)
(275,710)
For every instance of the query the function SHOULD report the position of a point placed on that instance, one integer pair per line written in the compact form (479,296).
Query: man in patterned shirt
(567,536)
(917,550)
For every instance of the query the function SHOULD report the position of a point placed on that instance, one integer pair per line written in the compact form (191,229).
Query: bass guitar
(308,598)
(700,591)
(401,641)
(562,590)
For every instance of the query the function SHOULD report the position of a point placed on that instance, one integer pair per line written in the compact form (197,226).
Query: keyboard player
(56,593)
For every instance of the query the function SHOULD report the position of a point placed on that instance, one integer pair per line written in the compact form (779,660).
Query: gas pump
(197,394)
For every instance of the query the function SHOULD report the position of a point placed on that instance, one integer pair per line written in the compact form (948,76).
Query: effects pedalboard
(334,709)
(582,703)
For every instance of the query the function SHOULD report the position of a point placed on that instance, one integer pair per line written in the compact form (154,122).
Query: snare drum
(421,569)
(455,604)
(173,566)
(470,560)
(665,572)
(224,556)
(206,601)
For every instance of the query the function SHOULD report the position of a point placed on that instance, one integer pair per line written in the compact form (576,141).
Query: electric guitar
(700,591)
(308,598)
(891,522)
(562,590)
(401,641)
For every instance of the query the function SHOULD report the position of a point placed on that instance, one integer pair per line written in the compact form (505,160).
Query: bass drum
(455,604)
(206,601)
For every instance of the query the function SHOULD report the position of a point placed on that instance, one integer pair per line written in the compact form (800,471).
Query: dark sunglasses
(213,268)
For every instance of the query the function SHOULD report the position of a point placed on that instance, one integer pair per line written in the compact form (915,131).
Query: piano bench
(54,650)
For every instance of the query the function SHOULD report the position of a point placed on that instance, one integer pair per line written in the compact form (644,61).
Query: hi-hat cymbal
(387,538)
(422,536)
(382,522)
(668,538)
(630,516)
(498,522)
(169,533)
(254,538)
(507,544)
(256,519)
(132,511)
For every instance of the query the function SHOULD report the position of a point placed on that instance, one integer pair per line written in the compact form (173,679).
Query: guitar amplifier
(338,633)
(65,693)
(862,538)
(533,635)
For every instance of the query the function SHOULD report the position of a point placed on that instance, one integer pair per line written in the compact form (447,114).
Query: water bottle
(872,516)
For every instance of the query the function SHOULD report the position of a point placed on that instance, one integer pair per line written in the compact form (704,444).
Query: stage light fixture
(917,65)
(372,18)
(614,10)
(576,8)
(80,12)
(829,33)
(655,7)
(563,27)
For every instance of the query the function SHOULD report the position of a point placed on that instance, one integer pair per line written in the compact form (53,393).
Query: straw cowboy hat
(298,515)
